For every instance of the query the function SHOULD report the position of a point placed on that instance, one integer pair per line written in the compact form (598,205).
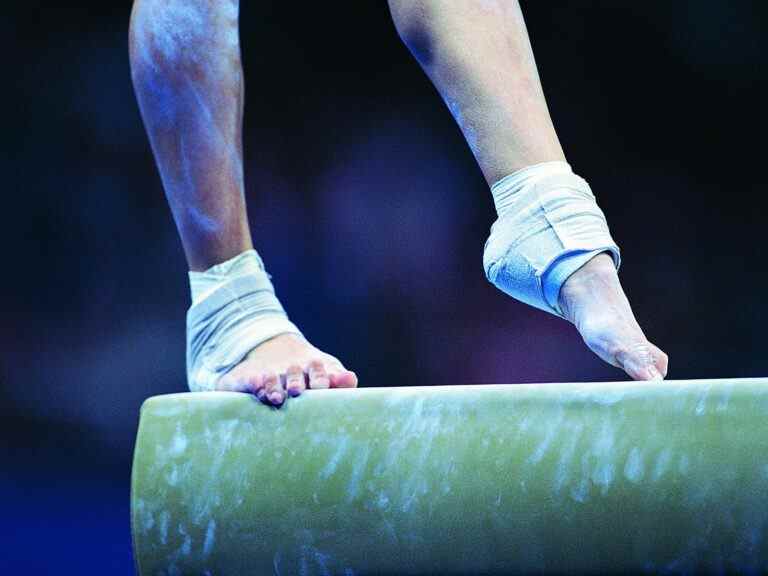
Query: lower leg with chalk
(185,63)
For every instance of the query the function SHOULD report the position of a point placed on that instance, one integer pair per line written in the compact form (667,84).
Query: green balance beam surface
(662,477)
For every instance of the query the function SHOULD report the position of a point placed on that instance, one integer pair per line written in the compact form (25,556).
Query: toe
(271,392)
(343,379)
(294,380)
(318,377)
(339,376)
(661,360)
(255,383)
(638,360)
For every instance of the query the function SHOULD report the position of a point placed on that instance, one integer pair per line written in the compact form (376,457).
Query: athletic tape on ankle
(548,226)
(234,309)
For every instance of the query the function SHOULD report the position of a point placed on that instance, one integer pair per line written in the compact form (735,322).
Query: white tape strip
(549,225)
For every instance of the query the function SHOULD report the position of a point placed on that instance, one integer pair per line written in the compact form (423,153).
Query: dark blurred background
(660,105)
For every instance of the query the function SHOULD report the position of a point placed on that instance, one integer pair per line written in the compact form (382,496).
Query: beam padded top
(483,479)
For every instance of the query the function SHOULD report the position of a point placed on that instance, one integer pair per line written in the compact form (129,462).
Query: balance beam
(665,477)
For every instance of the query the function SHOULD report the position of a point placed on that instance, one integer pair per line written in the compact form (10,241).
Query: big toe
(642,361)
(343,379)
(340,377)
(660,360)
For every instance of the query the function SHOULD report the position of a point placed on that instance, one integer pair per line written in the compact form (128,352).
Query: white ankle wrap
(549,225)
(234,309)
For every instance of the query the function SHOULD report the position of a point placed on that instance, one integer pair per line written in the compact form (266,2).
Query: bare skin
(478,55)
(594,301)
(286,365)
(188,77)
(186,68)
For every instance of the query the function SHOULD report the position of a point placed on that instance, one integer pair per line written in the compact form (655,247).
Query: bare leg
(185,63)
(478,55)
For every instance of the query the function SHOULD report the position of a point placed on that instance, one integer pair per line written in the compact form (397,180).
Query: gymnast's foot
(593,300)
(286,365)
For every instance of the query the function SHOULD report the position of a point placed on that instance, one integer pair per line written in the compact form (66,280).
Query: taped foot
(551,248)
(240,339)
